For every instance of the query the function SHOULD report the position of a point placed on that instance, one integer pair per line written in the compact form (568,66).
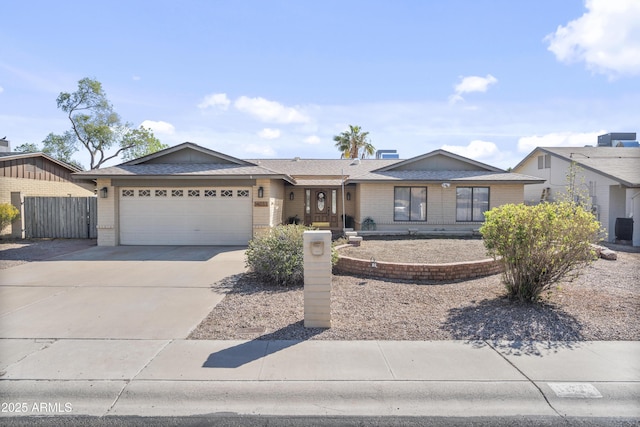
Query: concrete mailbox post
(317,279)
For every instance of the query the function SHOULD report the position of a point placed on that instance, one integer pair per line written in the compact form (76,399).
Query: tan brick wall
(377,202)
(108,227)
(32,187)
(418,272)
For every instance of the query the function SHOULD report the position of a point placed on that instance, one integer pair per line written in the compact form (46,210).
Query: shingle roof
(323,167)
(439,176)
(14,155)
(178,169)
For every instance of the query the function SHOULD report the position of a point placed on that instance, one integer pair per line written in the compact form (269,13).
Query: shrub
(277,257)
(539,245)
(8,214)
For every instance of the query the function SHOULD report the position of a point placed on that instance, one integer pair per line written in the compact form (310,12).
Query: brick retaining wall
(418,272)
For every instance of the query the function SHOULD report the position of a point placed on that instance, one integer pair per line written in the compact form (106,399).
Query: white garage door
(184,216)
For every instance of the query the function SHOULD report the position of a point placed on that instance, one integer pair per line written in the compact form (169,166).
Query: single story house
(190,195)
(608,176)
(37,174)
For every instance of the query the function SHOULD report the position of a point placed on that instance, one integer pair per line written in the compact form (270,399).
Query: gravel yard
(16,252)
(603,304)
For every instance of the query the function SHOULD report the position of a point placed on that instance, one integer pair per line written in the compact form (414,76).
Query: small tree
(8,214)
(539,245)
(277,257)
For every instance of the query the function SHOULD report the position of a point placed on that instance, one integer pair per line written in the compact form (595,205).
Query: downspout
(344,223)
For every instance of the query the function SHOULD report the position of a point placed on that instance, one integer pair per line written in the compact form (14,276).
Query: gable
(439,163)
(189,155)
(440,160)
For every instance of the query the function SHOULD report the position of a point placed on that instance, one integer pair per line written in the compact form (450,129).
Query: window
(226,193)
(193,193)
(144,193)
(410,204)
(176,193)
(161,193)
(127,193)
(242,193)
(544,162)
(209,193)
(471,203)
(307,201)
(334,201)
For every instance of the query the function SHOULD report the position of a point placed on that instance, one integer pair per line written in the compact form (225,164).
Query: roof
(441,176)
(5,156)
(189,160)
(621,164)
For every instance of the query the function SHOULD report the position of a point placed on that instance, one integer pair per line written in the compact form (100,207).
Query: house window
(127,193)
(193,193)
(209,193)
(410,204)
(544,162)
(144,193)
(471,203)
(177,193)
(161,193)
(334,201)
(307,201)
(242,193)
(226,193)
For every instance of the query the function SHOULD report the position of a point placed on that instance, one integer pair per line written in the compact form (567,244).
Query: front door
(321,206)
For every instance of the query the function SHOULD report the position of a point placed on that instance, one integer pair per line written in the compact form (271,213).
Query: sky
(486,79)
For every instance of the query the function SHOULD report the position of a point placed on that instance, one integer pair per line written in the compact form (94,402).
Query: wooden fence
(61,217)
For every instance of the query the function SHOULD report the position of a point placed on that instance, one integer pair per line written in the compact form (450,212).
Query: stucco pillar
(317,279)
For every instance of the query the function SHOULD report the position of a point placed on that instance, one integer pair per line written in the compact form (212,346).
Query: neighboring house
(608,176)
(36,174)
(190,195)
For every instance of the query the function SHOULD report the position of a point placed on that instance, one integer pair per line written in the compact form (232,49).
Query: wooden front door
(321,206)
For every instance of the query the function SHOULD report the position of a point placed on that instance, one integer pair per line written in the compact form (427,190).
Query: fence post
(17,226)
(317,278)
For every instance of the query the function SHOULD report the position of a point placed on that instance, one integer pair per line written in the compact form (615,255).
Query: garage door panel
(185,220)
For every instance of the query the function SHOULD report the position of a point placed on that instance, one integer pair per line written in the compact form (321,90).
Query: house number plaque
(261,204)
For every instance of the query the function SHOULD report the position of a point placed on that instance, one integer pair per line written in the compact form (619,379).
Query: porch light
(349,196)
(104,192)
(260,192)
(291,196)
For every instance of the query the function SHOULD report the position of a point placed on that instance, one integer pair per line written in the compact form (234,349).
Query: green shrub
(539,245)
(8,214)
(277,257)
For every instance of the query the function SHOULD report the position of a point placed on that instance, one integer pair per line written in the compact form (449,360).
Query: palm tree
(352,141)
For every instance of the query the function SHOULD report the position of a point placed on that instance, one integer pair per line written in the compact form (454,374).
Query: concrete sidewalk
(319,378)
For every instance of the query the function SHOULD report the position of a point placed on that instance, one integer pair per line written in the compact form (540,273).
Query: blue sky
(488,79)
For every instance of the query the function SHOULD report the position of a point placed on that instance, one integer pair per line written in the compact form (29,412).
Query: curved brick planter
(421,272)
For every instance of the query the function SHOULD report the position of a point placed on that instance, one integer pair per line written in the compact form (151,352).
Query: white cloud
(527,144)
(313,139)
(159,127)
(476,149)
(606,38)
(219,100)
(268,133)
(262,150)
(471,84)
(1,89)
(136,78)
(270,111)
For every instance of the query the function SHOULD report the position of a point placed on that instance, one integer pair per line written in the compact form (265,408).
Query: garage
(185,216)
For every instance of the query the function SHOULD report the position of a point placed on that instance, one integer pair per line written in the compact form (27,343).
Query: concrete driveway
(124,292)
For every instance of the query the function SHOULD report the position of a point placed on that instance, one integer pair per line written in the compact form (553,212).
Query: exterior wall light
(104,192)
(348,196)
(260,192)
(291,196)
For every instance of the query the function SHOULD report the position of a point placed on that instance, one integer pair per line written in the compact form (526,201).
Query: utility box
(317,278)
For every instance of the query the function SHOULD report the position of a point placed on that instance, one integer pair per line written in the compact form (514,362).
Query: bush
(8,214)
(539,245)
(277,257)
